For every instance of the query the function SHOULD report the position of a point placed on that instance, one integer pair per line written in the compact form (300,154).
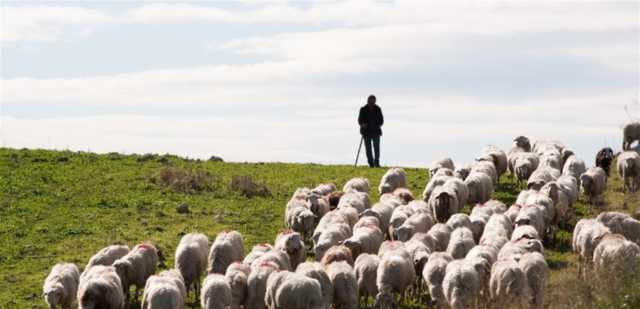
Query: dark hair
(371,99)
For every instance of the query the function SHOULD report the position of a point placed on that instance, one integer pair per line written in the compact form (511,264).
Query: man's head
(371,100)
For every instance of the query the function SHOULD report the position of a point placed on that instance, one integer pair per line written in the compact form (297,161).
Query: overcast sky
(283,80)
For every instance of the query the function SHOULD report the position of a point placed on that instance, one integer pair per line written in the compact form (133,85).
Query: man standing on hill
(370,120)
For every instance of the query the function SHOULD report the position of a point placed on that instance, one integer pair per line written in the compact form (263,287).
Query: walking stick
(358,154)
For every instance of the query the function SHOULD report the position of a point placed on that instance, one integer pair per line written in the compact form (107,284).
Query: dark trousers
(368,142)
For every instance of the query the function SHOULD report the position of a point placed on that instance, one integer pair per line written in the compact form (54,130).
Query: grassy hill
(64,206)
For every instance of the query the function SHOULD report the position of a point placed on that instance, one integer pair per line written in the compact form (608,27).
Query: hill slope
(64,206)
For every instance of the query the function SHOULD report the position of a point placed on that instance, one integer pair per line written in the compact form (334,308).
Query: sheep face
(443,203)
(523,170)
(551,190)
(587,182)
(293,244)
(384,300)
(305,221)
(53,298)
(419,260)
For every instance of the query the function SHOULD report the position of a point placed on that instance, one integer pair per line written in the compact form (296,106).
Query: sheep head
(385,300)
(53,296)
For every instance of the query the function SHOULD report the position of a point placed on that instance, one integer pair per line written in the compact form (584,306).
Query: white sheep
(165,291)
(314,270)
(288,290)
(107,255)
(365,239)
(291,243)
(593,182)
(480,187)
(433,274)
(419,251)
(357,200)
(394,178)
(226,249)
(486,252)
(398,217)
(434,182)
(497,156)
(404,194)
(525,231)
(417,223)
(462,172)
(587,234)
(461,284)
(319,205)
(574,167)
(460,243)
(628,164)
(345,285)
(441,233)
(365,221)
(631,133)
(357,184)
(256,252)
(522,165)
(61,286)
(257,284)
(381,211)
(498,227)
(336,254)
(513,250)
(459,220)
(533,215)
(300,218)
(541,176)
(536,270)
(216,292)
(395,273)
(366,269)
(621,223)
(100,287)
(333,218)
(442,163)
(238,276)
(191,258)
(279,258)
(135,267)
(487,168)
(331,236)
(324,189)
(508,285)
(391,199)
(444,202)
(615,257)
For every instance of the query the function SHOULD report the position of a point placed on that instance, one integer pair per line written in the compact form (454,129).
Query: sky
(283,80)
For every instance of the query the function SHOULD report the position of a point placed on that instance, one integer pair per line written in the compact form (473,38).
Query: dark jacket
(372,117)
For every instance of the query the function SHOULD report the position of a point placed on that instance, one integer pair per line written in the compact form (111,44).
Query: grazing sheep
(100,287)
(366,221)
(604,158)
(586,236)
(417,223)
(394,178)
(542,199)
(487,168)
(366,269)
(513,250)
(533,215)
(496,156)
(365,239)
(550,159)
(336,254)
(395,273)
(486,252)
(497,231)
(621,223)
(256,252)
(433,274)
(434,182)
(291,243)
(615,256)
(420,206)
(278,257)
(593,181)
(357,184)
(480,187)
(460,243)
(257,284)
(541,176)
(462,172)
(332,236)
(226,249)
(419,252)
(357,200)
(300,218)
(314,270)
(461,284)
(216,292)
(631,133)
(536,270)
(459,220)
(508,285)
(333,220)
(135,267)
(525,231)
(350,214)
(383,212)
(191,258)
(574,167)
(345,285)
(442,163)
(165,291)
(324,189)
(237,276)
(61,286)
(107,255)
(319,205)
(522,165)
(398,217)
(629,170)
(441,233)
(443,172)
(288,290)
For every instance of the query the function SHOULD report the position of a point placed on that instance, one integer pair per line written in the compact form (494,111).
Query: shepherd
(370,120)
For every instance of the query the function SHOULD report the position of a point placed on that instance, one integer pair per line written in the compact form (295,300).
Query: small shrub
(185,180)
(246,186)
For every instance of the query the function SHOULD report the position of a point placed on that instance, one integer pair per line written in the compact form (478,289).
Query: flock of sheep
(395,247)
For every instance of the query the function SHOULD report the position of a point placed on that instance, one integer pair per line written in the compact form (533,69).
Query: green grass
(64,206)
